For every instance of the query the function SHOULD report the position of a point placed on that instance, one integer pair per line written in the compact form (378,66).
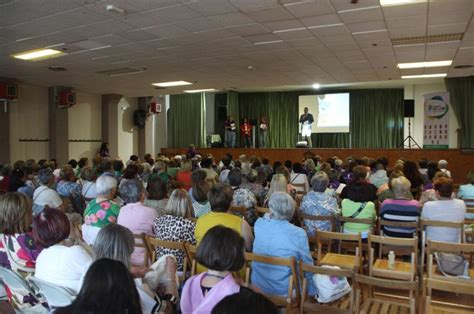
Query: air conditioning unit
(67,99)
(8,91)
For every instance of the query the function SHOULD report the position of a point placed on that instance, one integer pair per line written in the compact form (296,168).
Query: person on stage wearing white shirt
(306,120)
(262,135)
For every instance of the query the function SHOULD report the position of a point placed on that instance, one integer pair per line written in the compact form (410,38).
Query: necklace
(213,275)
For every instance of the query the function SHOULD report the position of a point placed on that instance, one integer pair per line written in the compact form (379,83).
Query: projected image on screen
(330,112)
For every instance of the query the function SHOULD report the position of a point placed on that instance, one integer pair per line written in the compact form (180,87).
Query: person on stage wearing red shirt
(246,131)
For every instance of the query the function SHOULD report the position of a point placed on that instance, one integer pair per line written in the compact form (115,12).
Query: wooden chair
(300,186)
(373,305)
(140,242)
(365,221)
(191,255)
(241,210)
(344,305)
(436,223)
(446,286)
(331,219)
(153,244)
(378,267)
(345,261)
(292,300)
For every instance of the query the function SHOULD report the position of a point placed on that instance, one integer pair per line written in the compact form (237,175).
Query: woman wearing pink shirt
(135,216)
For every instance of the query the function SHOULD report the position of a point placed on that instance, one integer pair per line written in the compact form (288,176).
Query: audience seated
(276,236)
(201,205)
(318,203)
(225,169)
(278,184)
(116,242)
(400,208)
(174,225)
(430,194)
(412,173)
(445,208)
(135,216)
(358,197)
(17,183)
(220,198)
(386,191)
(297,176)
(118,167)
(241,196)
(157,195)
(255,184)
(184,174)
(211,175)
(108,288)
(466,191)
(44,195)
(59,262)
(443,165)
(379,177)
(245,301)
(88,178)
(18,250)
(202,292)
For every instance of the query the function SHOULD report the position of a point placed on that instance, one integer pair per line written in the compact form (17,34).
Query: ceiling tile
(366,26)
(284,25)
(310,8)
(249,29)
(447,28)
(401,11)
(231,19)
(197,25)
(167,31)
(348,5)
(269,14)
(410,53)
(371,14)
(212,7)
(254,4)
(294,35)
(328,19)
(174,13)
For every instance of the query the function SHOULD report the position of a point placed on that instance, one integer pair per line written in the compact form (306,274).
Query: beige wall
(85,124)
(127,132)
(29,120)
(416,92)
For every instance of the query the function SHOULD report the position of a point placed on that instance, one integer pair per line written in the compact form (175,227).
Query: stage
(459,162)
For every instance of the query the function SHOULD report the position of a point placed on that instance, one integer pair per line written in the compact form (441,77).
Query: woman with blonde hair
(184,174)
(175,225)
(278,184)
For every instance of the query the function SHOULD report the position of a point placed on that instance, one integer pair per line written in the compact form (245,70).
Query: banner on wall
(436,120)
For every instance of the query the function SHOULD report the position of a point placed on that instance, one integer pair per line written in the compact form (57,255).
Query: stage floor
(459,162)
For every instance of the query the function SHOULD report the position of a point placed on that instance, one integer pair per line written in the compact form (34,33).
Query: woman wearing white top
(298,178)
(59,263)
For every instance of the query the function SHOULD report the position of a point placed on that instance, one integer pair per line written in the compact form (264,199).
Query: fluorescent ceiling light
(369,32)
(424,76)
(327,25)
(289,30)
(38,54)
(170,84)
(358,9)
(430,64)
(199,90)
(268,42)
(386,3)
(316,85)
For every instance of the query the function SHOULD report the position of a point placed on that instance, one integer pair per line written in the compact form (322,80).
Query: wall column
(58,127)
(110,123)
(4,132)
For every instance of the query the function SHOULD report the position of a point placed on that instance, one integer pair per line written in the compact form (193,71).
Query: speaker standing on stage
(306,120)
(262,135)
(246,131)
(230,132)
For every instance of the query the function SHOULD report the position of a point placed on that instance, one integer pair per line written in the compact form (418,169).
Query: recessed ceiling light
(429,64)
(316,85)
(38,54)
(199,90)
(170,84)
(386,3)
(424,76)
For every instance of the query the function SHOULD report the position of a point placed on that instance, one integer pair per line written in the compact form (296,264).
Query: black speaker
(139,118)
(409,108)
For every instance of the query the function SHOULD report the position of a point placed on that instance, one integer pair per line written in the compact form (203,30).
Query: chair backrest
(439,223)
(241,210)
(153,244)
(55,295)
(445,247)
(191,255)
(301,188)
(261,211)
(293,297)
(14,280)
(331,219)
(140,242)
(399,224)
(457,287)
(362,280)
(312,307)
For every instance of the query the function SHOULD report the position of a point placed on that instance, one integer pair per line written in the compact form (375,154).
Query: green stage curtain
(376,118)
(461,93)
(187,118)
(281,110)
(233,111)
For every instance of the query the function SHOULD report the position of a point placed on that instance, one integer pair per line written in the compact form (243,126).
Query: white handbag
(330,288)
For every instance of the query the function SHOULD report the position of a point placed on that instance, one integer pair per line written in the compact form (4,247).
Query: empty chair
(347,261)
(457,287)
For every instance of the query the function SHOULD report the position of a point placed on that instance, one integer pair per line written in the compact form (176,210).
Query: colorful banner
(436,120)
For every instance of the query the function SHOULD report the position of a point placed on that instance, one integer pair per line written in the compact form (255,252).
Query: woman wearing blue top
(276,236)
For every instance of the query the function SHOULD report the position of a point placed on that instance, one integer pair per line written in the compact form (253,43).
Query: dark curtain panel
(186,117)
(376,118)
(330,140)
(461,94)
(281,110)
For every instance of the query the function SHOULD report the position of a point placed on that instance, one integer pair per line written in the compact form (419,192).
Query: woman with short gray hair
(137,217)
(44,195)
(318,203)
(276,236)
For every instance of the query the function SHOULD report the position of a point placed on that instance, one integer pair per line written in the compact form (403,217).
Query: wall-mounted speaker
(139,118)
(409,108)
